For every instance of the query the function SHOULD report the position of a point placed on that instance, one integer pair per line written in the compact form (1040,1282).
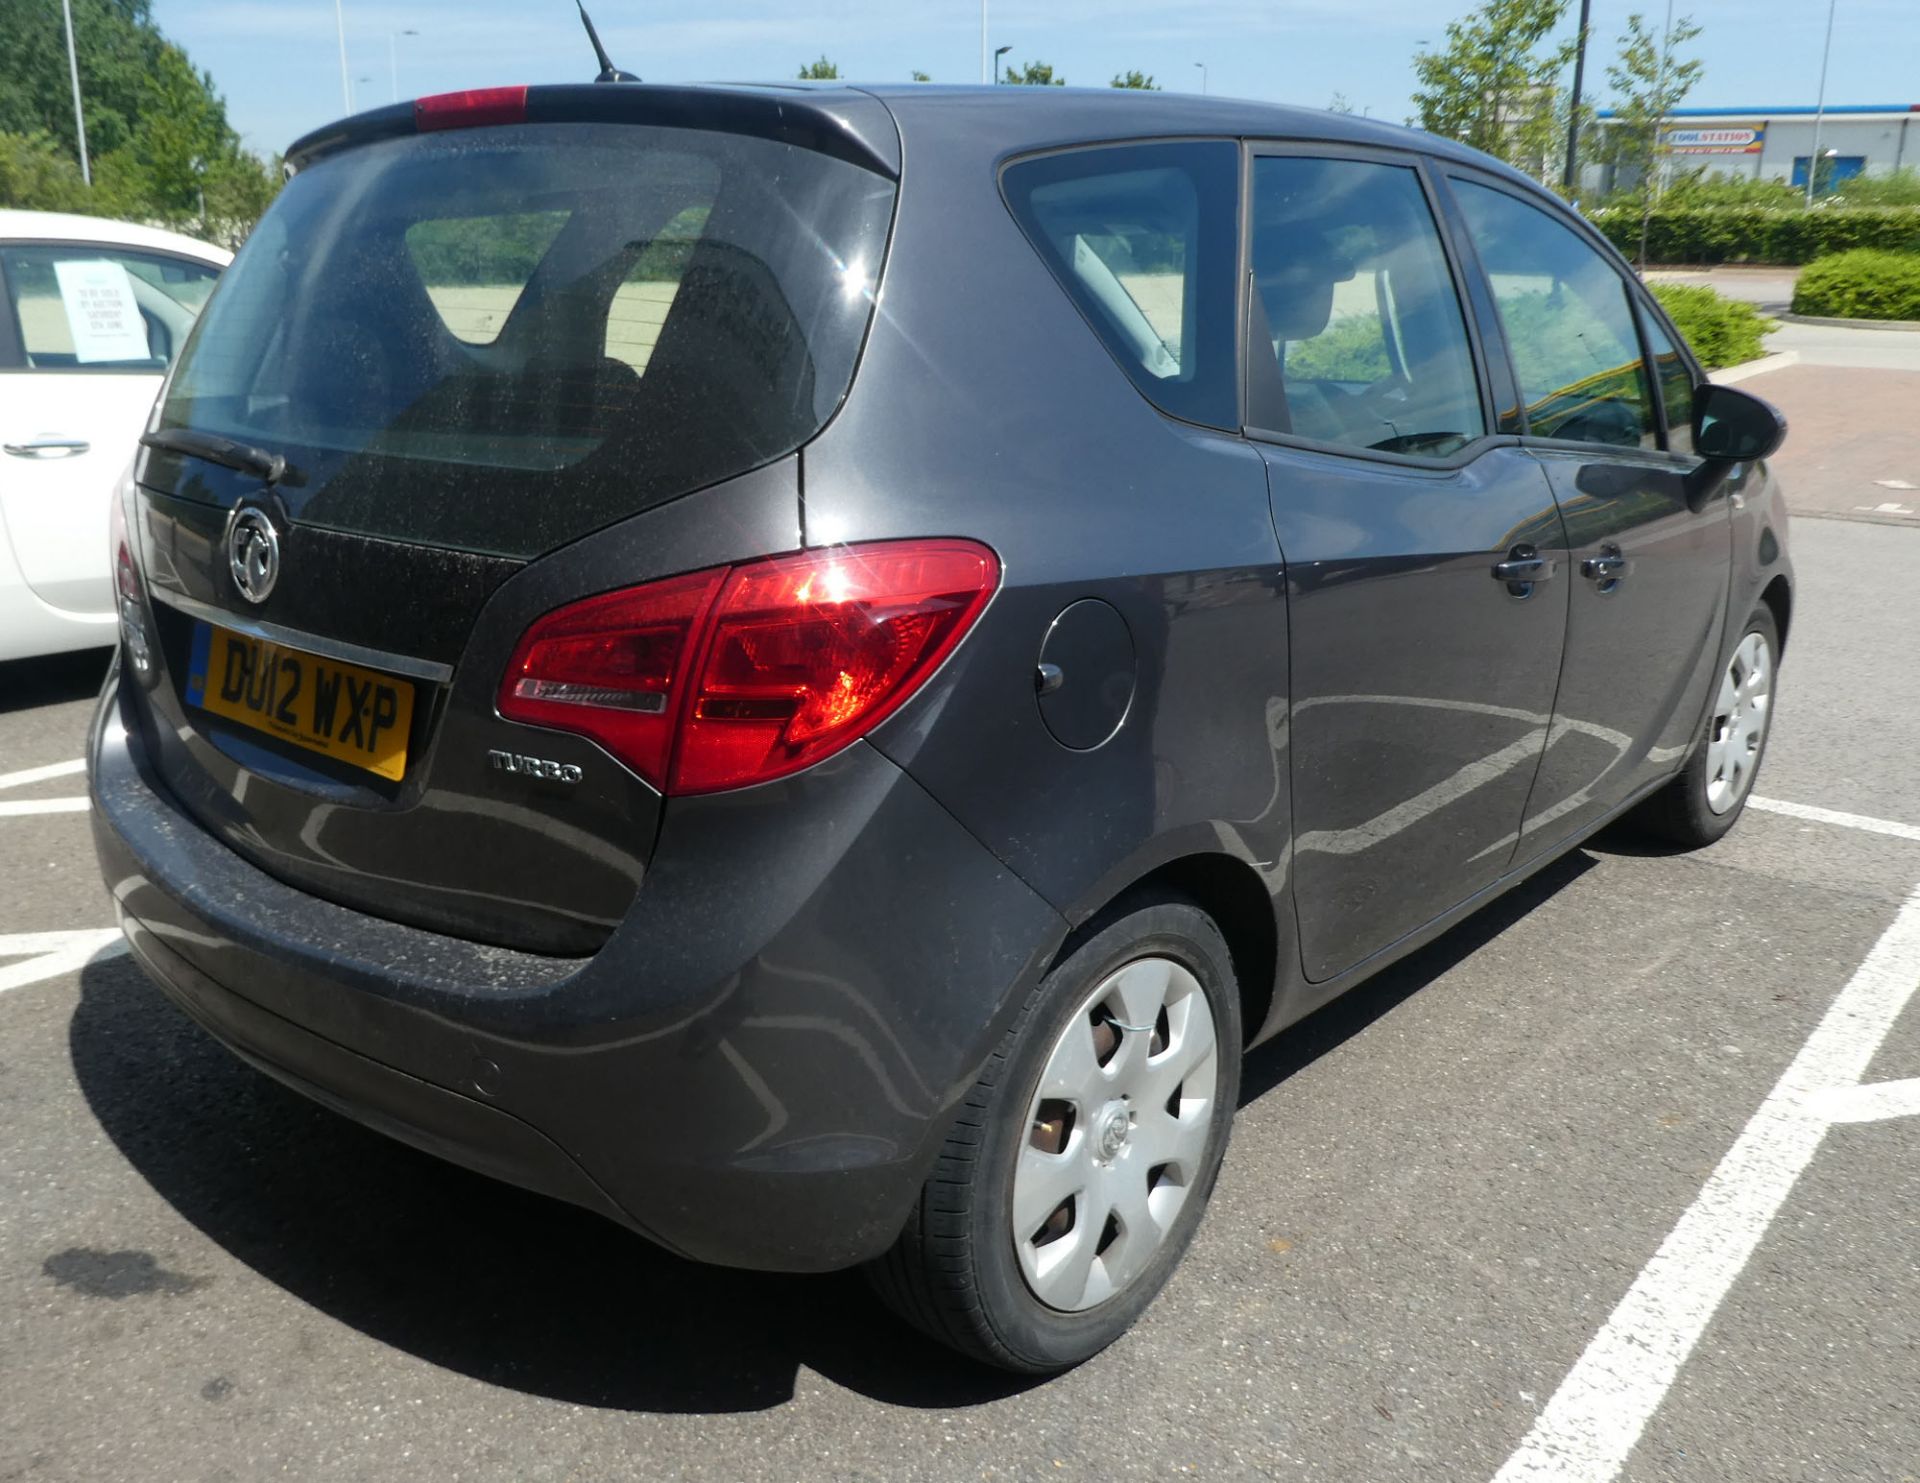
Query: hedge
(1722,331)
(1861,285)
(1738,234)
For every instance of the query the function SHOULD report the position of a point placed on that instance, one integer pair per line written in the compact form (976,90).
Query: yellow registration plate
(354,715)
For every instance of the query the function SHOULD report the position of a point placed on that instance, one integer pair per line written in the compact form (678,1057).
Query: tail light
(737,675)
(128,597)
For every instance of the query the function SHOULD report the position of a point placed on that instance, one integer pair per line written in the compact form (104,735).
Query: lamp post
(1570,179)
(1203,77)
(346,85)
(393,58)
(998,53)
(79,114)
(1820,105)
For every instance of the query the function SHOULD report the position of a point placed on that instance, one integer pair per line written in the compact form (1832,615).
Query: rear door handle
(1607,568)
(1523,567)
(50,446)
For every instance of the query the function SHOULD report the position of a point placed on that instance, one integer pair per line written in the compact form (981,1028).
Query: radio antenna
(608,72)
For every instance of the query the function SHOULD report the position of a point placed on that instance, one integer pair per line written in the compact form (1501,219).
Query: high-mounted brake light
(473,109)
(737,675)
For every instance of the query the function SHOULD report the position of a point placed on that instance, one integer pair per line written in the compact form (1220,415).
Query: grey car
(807,668)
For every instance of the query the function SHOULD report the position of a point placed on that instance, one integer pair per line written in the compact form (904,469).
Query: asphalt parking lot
(1569,1195)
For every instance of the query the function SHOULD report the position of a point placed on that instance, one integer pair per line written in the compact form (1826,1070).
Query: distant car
(92,313)
(804,668)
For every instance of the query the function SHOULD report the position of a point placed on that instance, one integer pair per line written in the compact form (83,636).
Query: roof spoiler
(845,124)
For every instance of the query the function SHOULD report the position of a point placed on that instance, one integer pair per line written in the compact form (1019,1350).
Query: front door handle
(1523,567)
(50,446)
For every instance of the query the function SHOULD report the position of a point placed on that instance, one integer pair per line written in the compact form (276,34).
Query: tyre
(1079,1166)
(1707,796)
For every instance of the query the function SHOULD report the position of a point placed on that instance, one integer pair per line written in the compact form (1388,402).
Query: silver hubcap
(1116,1134)
(1739,723)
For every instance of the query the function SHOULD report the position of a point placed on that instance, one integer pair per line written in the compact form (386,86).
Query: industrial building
(1777,143)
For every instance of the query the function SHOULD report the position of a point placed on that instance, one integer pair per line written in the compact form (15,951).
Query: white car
(92,313)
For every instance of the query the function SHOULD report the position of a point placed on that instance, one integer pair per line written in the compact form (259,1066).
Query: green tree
(160,146)
(1034,75)
(1135,79)
(919,76)
(1495,83)
(181,132)
(1649,81)
(1339,104)
(119,48)
(820,71)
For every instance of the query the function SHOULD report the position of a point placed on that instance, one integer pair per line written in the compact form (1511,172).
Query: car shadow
(26,683)
(517,1290)
(478,1277)
(1328,1028)
(1630,840)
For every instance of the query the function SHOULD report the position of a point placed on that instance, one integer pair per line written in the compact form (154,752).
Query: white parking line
(50,954)
(1595,1418)
(14,807)
(1833,816)
(41,774)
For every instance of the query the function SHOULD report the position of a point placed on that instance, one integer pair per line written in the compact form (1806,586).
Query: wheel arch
(1234,894)
(1778,596)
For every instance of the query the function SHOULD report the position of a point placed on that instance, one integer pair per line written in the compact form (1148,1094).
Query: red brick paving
(1848,429)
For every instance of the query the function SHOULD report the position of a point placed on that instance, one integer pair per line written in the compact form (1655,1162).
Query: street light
(79,115)
(1820,106)
(1203,77)
(393,58)
(1570,179)
(998,53)
(346,86)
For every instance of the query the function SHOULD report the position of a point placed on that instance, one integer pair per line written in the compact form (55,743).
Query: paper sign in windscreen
(101,312)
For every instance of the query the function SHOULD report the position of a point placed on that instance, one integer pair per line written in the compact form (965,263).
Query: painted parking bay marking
(17,806)
(50,954)
(1595,1418)
(1812,815)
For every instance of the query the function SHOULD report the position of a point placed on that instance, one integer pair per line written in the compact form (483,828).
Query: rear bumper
(755,1070)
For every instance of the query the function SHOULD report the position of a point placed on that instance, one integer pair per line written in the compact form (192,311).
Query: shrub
(1861,285)
(1755,234)
(1701,188)
(1898,188)
(1722,331)
(35,175)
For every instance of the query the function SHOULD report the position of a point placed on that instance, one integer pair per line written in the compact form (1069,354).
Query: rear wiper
(270,467)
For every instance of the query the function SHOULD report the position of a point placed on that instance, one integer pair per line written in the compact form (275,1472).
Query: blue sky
(277,61)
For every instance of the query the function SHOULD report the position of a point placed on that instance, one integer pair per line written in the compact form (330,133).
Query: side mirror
(1735,426)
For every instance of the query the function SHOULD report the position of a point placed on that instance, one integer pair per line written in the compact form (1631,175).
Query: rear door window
(1355,297)
(1142,237)
(1568,321)
(498,339)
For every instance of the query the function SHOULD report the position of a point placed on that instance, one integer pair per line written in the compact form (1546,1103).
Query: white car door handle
(48,447)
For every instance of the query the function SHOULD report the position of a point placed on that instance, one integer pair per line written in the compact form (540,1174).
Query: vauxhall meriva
(806,668)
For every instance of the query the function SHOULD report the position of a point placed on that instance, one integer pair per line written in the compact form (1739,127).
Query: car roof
(60,226)
(1050,117)
(989,121)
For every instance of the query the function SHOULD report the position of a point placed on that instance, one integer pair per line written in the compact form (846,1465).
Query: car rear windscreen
(500,339)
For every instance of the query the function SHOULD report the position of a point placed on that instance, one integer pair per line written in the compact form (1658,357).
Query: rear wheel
(1707,797)
(1078,1168)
